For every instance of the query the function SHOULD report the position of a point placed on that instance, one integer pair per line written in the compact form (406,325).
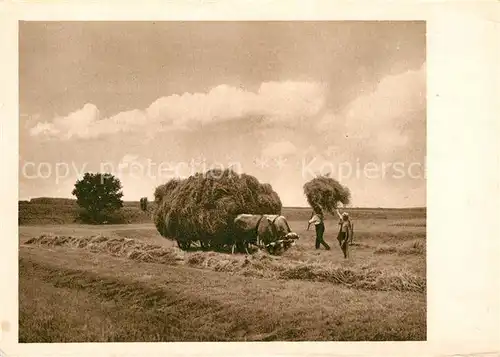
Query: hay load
(203,206)
(325,193)
(163,194)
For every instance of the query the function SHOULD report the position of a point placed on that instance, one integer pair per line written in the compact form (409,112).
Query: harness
(275,230)
(257,229)
(273,227)
(287,227)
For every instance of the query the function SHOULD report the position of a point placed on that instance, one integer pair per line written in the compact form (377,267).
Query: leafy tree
(99,194)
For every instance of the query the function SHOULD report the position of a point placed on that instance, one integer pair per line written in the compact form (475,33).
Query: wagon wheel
(205,245)
(184,245)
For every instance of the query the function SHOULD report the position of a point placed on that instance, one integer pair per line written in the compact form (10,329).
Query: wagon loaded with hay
(202,208)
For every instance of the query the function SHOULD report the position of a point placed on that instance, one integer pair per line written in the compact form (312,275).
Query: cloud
(128,158)
(44,128)
(273,101)
(75,124)
(279,149)
(382,123)
(393,103)
(85,123)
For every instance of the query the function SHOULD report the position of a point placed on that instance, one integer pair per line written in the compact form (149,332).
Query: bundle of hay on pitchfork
(324,194)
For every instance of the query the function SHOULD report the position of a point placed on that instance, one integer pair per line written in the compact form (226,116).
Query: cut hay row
(415,247)
(408,224)
(367,279)
(260,264)
(119,247)
(390,238)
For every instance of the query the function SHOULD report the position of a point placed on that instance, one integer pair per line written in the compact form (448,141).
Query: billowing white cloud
(85,123)
(381,114)
(279,149)
(287,100)
(273,101)
(377,122)
(128,158)
(77,123)
(44,128)
(385,124)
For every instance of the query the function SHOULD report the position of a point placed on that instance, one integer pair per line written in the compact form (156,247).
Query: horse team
(270,232)
(263,231)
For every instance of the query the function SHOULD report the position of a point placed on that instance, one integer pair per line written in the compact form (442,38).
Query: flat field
(84,283)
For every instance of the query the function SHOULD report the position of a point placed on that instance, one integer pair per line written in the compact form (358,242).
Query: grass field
(47,210)
(127,283)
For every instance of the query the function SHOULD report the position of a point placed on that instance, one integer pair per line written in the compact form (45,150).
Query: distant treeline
(50,210)
(66,201)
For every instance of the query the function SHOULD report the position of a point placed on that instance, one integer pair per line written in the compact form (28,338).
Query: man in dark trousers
(317,220)
(345,232)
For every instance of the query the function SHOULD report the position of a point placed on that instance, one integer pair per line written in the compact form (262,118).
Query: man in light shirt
(345,232)
(317,220)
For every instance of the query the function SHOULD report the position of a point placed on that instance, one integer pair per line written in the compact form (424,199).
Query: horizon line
(283,206)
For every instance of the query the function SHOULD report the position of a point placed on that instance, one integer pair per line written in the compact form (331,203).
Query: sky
(283,101)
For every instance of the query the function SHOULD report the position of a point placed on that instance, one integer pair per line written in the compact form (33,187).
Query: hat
(345,214)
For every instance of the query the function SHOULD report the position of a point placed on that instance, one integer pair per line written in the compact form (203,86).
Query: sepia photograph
(214,181)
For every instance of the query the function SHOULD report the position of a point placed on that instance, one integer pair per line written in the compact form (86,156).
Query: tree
(99,194)
(144,204)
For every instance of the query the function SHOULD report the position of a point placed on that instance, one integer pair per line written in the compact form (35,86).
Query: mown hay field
(126,283)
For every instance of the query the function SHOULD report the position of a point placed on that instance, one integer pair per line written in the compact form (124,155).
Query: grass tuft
(121,247)
(415,247)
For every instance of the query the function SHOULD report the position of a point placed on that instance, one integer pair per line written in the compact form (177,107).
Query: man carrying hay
(325,193)
(317,219)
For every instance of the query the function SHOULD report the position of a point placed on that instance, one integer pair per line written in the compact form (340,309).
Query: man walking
(317,220)
(345,232)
